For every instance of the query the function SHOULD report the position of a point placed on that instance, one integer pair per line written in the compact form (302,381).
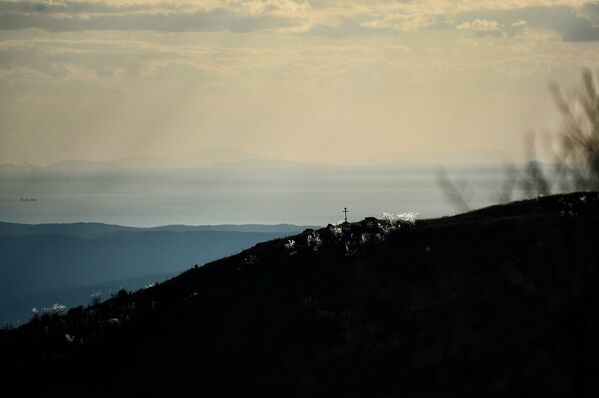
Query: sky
(310,81)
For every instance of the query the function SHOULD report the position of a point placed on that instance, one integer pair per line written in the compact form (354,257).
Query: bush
(96,298)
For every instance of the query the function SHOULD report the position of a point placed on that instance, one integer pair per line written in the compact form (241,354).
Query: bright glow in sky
(321,81)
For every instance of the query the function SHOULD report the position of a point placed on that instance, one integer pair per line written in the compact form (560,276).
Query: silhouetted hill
(500,301)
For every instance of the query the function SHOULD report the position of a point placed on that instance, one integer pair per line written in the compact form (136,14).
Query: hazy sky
(301,80)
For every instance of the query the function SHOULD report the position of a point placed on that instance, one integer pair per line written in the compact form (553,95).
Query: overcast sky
(319,81)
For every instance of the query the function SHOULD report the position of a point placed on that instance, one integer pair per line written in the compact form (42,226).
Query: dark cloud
(73,7)
(573,24)
(591,10)
(589,31)
(74,16)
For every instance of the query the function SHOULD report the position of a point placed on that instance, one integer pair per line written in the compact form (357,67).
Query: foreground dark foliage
(500,301)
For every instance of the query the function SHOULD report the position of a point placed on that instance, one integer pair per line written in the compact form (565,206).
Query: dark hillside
(500,301)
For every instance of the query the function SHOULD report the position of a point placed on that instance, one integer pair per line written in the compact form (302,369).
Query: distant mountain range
(217,157)
(64,263)
(95,230)
(229,158)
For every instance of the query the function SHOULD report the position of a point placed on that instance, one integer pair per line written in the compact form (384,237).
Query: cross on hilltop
(345,211)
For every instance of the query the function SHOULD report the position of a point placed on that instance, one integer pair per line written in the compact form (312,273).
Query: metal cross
(345,211)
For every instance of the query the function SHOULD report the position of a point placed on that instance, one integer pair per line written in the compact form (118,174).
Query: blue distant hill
(45,264)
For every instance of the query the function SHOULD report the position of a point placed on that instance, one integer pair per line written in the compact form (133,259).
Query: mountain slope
(501,301)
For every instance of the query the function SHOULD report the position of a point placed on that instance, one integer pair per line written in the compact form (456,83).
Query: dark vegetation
(500,301)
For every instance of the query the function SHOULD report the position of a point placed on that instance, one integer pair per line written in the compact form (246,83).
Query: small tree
(578,137)
(576,144)
(576,150)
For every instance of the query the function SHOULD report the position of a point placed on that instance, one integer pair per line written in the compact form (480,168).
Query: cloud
(480,25)
(573,24)
(198,21)
(68,15)
(68,6)
(110,62)
(574,20)
(398,48)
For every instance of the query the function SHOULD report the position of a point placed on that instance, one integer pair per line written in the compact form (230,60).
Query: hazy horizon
(230,156)
(240,195)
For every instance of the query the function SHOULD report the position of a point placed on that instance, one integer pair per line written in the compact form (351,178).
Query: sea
(304,195)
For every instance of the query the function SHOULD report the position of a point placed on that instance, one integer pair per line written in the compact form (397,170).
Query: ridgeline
(499,301)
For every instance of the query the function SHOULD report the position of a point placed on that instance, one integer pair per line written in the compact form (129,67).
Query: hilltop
(499,301)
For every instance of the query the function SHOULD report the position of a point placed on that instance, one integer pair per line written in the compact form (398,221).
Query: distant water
(310,195)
